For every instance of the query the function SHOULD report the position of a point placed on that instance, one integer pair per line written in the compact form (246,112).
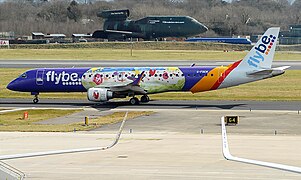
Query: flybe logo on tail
(263,48)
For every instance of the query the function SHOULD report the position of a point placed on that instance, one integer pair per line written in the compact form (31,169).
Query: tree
(73,11)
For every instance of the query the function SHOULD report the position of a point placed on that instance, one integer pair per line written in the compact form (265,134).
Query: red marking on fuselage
(222,78)
(152,72)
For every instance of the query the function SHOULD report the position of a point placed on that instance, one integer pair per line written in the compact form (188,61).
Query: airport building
(293,36)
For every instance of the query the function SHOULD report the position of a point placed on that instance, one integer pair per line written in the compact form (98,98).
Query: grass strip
(138,54)
(13,121)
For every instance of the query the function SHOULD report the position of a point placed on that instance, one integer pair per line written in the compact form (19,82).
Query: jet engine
(99,94)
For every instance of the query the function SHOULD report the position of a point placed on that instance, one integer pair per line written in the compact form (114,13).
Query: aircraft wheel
(134,101)
(36,100)
(144,98)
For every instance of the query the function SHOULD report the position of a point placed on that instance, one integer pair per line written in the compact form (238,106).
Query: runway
(162,104)
(295,65)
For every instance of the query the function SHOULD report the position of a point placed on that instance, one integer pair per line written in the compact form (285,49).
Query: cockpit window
(24,75)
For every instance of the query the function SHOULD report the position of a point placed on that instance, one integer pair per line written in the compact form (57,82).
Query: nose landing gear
(36,97)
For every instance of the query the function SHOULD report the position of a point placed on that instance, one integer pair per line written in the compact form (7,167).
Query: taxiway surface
(165,145)
(162,104)
(126,63)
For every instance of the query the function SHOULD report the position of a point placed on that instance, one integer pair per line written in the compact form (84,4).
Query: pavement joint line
(205,110)
(17,109)
(12,109)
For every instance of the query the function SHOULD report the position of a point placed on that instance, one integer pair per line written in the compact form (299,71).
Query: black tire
(144,98)
(35,101)
(134,101)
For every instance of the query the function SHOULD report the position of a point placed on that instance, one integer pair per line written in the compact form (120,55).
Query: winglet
(228,155)
(139,79)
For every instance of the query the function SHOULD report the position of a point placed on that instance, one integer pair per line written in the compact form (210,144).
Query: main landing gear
(144,98)
(135,101)
(36,98)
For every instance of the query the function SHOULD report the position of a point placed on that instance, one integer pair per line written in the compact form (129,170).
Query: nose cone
(202,28)
(198,27)
(12,86)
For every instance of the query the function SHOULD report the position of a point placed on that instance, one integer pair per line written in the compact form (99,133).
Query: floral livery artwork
(154,79)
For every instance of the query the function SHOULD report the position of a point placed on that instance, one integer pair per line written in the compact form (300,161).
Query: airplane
(118,27)
(105,83)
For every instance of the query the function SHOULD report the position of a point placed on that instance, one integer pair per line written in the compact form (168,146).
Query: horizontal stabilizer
(281,68)
(273,71)
(260,72)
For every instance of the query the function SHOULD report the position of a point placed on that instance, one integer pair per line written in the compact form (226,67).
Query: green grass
(286,87)
(282,88)
(13,121)
(125,54)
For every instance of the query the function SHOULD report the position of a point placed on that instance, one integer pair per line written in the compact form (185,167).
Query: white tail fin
(262,54)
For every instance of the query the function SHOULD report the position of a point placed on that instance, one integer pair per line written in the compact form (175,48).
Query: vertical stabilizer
(262,54)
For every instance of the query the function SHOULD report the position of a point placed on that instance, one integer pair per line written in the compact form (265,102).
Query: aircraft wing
(120,32)
(125,32)
(133,87)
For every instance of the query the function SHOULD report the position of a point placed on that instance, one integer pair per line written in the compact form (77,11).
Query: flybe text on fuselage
(64,77)
(262,49)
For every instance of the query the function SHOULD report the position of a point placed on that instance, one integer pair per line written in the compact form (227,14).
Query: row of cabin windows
(156,75)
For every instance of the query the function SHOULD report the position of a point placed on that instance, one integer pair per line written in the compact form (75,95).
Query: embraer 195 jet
(105,83)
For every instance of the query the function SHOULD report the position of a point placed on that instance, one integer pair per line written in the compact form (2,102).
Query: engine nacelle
(99,94)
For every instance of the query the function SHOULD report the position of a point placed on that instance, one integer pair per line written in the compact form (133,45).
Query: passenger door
(40,77)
